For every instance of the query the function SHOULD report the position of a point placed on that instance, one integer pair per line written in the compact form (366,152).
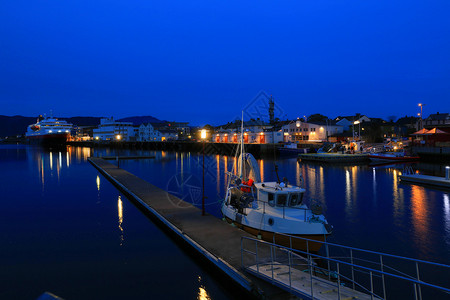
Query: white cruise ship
(48,131)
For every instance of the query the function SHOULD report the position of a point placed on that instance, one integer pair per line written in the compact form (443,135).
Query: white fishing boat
(271,210)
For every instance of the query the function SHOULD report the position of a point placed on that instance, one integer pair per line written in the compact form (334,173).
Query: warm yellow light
(420,104)
(217,134)
(356,122)
(203,134)
(262,133)
(96,137)
(321,128)
(189,136)
(286,133)
(226,134)
(245,133)
(118,137)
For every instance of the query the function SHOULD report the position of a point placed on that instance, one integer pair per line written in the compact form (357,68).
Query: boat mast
(242,146)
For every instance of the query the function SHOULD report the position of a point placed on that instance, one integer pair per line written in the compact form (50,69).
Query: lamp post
(203,137)
(359,129)
(421,105)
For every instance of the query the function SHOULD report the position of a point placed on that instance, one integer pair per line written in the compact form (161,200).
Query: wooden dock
(427,180)
(213,238)
(334,158)
(127,157)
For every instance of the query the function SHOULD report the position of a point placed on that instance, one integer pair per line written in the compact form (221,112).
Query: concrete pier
(441,182)
(214,239)
(334,158)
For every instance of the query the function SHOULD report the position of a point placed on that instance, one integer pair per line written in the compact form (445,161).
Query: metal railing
(346,270)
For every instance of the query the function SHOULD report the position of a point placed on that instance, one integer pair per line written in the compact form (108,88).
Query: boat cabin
(277,195)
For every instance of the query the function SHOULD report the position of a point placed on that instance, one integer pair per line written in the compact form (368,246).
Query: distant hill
(141,119)
(17,125)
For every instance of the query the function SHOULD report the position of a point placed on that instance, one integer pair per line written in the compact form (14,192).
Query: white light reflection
(51,161)
(98,182)
(60,159)
(447,218)
(67,158)
(120,211)
(374,173)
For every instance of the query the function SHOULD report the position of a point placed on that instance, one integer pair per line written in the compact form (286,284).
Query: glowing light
(98,182)
(203,134)
(120,211)
(50,131)
(118,137)
(202,294)
(97,138)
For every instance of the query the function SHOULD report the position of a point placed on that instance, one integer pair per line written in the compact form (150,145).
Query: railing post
(290,280)
(371,286)
(338,281)
(257,261)
(310,269)
(419,288)
(382,276)
(353,271)
(242,252)
(271,256)
(328,262)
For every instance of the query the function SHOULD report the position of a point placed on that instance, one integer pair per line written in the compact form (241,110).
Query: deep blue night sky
(204,61)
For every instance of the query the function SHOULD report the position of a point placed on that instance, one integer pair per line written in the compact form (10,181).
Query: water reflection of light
(321,183)
(419,210)
(298,175)
(355,181)
(120,211)
(261,169)
(51,161)
(348,187)
(98,182)
(60,159)
(447,217)
(374,181)
(218,172)
(86,153)
(67,158)
(202,293)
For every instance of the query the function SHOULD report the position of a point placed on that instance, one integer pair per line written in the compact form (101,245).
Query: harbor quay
(217,242)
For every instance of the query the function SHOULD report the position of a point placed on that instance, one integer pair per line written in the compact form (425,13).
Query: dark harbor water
(67,230)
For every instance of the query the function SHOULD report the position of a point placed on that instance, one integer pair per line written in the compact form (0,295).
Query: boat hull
(284,239)
(382,158)
(48,139)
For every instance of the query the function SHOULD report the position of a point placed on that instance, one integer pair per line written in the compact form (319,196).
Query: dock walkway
(217,241)
(426,179)
(334,157)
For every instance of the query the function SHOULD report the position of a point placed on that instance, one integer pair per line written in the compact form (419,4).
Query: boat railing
(343,270)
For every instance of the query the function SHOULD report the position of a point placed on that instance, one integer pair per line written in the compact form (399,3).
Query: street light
(203,137)
(421,114)
(359,129)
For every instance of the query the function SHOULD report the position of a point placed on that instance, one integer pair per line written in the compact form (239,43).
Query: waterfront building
(301,132)
(151,132)
(110,130)
(348,121)
(438,120)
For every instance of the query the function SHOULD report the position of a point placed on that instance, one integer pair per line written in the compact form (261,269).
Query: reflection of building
(113,130)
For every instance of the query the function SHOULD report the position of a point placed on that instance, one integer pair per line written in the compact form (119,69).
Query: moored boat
(48,131)
(272,210)
(392,157)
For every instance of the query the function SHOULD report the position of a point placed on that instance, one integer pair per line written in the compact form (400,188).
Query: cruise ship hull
(48,139)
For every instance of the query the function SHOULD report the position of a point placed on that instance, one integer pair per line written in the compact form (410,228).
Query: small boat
(392,157)
(272,210)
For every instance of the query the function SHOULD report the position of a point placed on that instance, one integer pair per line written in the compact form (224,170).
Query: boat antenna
(242,147)
(276,172)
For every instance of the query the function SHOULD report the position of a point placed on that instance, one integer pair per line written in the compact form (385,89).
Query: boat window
(295,199)
(271,199)
(281,199)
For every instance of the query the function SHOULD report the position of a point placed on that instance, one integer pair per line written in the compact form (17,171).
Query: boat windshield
(282,199)
(295,199)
